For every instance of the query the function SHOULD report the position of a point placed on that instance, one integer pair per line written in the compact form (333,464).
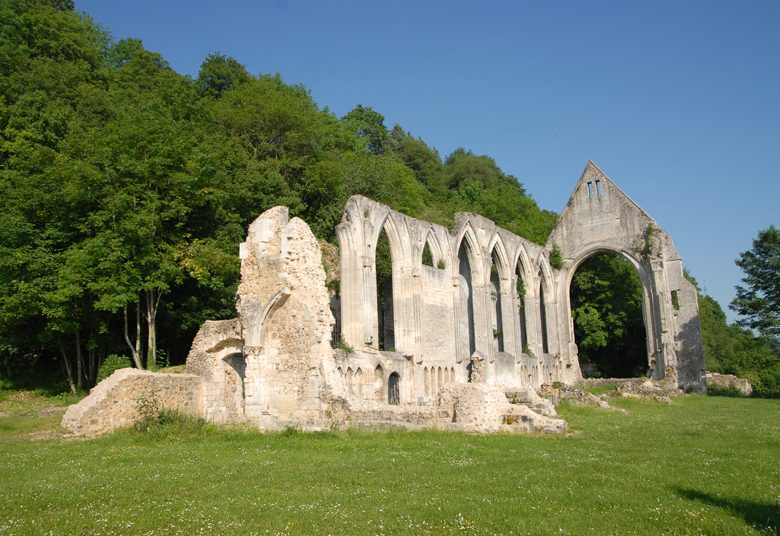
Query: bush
(719,390)
(113,363)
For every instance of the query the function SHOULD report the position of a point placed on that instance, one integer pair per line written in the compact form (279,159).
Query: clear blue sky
(677,101)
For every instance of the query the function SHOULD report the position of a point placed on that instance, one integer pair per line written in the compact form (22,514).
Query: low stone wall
(484,409)
(113,403)
(406,417)
(729,381)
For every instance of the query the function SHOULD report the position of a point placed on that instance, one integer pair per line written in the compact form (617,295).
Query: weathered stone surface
(528,397)
(729,381)
(483,408)
(113,403)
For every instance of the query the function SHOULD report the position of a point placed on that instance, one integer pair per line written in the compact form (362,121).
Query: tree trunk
(68,369)
(91,359)
(133,349)
(152,303)
(138,350)
(79,363)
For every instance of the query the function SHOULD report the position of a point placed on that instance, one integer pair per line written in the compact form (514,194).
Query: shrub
(596,390)
(162,421)
(113,363)
(719,390)
(344,346)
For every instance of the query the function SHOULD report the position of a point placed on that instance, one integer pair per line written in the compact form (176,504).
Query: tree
(758,302)
(369,125)
(219,73)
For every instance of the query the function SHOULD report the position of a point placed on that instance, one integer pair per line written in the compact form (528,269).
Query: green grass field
(703,465)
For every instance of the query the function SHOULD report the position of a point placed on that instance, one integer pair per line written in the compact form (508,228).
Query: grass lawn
(703,465)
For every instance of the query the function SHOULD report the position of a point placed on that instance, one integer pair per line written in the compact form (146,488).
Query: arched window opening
(359,383)
(606,307)
(427,375)
(543,316)
(394,389)
(427,256)
(520,293)
(384,287)
(379,382)
(466,300)
(495,298)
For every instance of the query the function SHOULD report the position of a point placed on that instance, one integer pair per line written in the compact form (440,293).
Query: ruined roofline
(459,220)
(591,166)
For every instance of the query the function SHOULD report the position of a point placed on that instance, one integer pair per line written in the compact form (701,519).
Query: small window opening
(393,389)
(598,188)
(675,300)
(590,190)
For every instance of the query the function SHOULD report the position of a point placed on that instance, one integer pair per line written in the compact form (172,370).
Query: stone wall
(113,403)
(729,381)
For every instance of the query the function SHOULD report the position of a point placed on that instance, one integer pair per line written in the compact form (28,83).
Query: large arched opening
(384,291)
(468,339)
(496,300)
(606,300)
(520,294)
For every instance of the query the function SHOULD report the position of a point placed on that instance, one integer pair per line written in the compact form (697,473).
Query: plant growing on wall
(556,259)
(645,246)
(520,288)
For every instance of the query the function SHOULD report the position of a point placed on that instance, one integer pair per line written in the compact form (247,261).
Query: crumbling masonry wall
(114,403)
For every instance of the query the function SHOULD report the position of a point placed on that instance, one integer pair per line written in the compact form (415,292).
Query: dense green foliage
(112,364)
(606,303)
(758,302)
(702,465)
(731,349)
(125,188)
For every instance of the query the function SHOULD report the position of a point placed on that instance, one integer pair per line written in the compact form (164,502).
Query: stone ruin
(448,342)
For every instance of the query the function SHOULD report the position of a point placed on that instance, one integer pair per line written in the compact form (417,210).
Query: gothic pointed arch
(468,262)
(499,277)
(545,296)
(432,246)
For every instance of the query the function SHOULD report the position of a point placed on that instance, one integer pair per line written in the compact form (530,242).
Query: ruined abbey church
(472,319)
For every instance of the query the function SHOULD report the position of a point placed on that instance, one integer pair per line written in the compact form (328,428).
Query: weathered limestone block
(215,340)
(729,381)
(113,403)
(477,372)
(528,397)
(483,408)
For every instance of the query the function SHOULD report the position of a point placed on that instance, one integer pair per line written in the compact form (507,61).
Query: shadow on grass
(762,516)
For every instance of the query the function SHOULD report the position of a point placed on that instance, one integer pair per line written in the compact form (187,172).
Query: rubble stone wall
(113,403)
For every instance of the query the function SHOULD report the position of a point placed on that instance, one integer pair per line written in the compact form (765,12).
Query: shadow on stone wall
(690,357)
